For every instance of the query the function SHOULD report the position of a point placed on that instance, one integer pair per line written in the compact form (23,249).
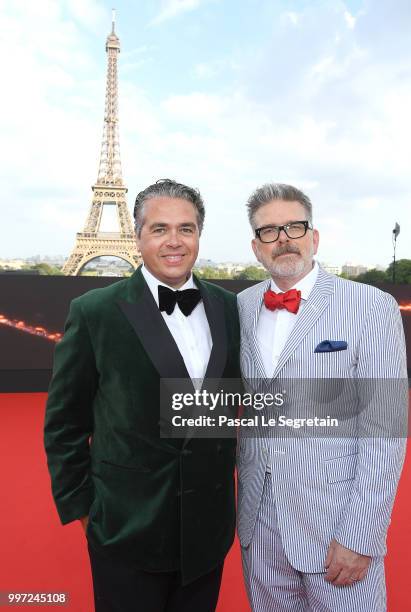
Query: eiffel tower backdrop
(109,190)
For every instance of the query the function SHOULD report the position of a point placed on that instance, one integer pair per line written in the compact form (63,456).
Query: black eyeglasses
(271,233)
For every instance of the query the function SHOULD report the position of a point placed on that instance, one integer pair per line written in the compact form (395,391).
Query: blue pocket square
(330,346)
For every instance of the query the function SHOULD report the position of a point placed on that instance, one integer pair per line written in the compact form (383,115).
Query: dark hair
(170,189)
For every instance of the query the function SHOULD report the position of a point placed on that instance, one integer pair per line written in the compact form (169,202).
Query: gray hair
(277,191)
(169,189)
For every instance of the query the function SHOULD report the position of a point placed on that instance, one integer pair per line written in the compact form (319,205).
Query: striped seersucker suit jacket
(329,487)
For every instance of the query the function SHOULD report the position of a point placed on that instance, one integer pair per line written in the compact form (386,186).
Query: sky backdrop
(223,95)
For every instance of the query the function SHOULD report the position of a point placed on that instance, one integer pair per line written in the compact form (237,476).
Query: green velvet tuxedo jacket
(163,504)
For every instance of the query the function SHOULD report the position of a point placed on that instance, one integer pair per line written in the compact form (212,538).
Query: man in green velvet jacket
(158,513)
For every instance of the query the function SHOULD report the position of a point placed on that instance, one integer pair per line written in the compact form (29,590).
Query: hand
(344,566)
(84,522)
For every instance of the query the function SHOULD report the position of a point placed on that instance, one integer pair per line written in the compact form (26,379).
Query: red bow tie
(290,300)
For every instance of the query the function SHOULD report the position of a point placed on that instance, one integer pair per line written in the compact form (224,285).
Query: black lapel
(154,335)
(145,318)
(214,309)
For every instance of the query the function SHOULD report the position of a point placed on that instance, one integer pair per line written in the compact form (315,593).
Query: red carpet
(38,555)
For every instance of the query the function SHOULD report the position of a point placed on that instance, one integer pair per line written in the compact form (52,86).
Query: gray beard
(288,268)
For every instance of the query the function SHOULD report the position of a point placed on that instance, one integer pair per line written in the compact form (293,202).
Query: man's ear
(254,246)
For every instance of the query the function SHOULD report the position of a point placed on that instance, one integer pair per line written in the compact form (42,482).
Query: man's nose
(174,238)
(282,237)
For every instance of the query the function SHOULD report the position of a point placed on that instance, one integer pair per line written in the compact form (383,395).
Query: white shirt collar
(153,283)
(305,285)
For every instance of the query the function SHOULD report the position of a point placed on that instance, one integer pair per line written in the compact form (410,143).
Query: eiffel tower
(109,190)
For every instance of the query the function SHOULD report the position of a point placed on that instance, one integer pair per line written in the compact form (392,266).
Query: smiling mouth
(173,258)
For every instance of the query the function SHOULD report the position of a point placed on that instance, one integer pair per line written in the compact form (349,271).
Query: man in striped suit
(313,509)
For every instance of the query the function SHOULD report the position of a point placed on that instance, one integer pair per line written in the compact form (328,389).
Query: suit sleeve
(69,418)
(382,422)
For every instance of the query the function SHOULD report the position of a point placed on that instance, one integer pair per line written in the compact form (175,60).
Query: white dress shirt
(274,326)
(191,334)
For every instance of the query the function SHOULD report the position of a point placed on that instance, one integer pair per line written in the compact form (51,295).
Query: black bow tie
(187,299)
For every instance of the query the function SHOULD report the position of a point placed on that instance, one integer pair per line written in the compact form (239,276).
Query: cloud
(326,109)
(136,52)
(205,70)
(350,19)
(171,8)
(88,13)
(221,66)
(195,106)
(292,17)
(48,128)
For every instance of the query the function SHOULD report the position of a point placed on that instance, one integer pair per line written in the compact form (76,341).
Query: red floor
(38,555)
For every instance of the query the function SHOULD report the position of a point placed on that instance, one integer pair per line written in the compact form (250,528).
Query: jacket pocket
(341,468)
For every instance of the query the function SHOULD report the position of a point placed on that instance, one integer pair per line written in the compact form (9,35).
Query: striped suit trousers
(273,585)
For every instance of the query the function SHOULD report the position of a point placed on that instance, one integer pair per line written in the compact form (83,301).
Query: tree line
(371,277)
(378,277)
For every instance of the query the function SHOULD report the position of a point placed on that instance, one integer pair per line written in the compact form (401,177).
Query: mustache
(287,248)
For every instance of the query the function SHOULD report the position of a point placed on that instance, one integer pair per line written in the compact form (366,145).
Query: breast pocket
(334,364)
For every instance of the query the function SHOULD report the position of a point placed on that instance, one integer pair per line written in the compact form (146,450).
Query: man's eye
(159,230)
(187,230)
